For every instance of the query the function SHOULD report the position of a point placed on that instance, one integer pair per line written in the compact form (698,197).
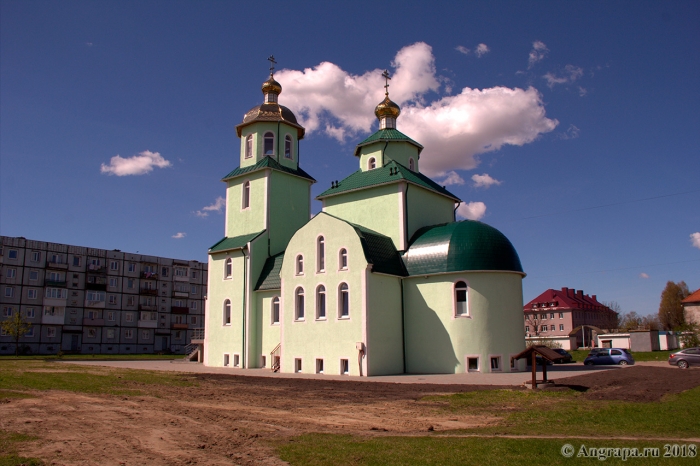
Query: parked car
(685,358)
(565,354)
(608,356)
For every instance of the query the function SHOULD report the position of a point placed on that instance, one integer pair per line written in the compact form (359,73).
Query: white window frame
(275,319)
(342,257)
(112,282)
(343,301)
(249,146)
(113,265)
(320,254)
(269,136)
(344,366)
(50,332)
(132,267)
(455,290)
(36,256)
(227,312)
(561,327)
(110,334)
(371,163)
(319,365)
(12,254)
(129,317)
(12,273)
(411,164)
(297,365)
(299,264)
(129,334)
(9,292)
(145,334)
(110,316)
(32,293)
(236,360)
(33,275)
(467,357)
(288,147)
(499,362)
(228,269)
(227,359)
(91,333)
(321,302)
(112,299)
(299,307)
(30,312)
(245,195)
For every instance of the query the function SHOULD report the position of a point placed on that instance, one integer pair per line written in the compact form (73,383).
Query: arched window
(249,146)
(371,164)
(411,164)
(246,195)
(228,269)
(227,312)
(461,308)
(343,301)
(300,264)
(321,254)
(269,144)
(321,302)
(288,146)
(299,304)
(343,259)
(275,310)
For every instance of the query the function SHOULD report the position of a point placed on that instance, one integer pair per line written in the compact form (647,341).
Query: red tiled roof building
(691,307)
(561,312)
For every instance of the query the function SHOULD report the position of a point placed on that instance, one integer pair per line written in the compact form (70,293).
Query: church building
(382,281)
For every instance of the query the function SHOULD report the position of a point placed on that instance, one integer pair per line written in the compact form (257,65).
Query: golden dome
(387,108)
(271,86)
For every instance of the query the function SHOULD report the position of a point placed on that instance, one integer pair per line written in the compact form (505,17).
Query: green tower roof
(268,162)
(460,246)
(389,134)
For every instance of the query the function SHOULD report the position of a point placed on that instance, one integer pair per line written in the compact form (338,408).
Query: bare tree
(671,314)
(16,326)
(534,320)
(630,321)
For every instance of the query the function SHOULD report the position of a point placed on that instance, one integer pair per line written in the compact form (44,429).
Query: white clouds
(695,239)
(453,129)
(452,178)
(481,49)
(538,53)
(572,132)
(484,181)
(570,74)
(139,164)
(217,206)
(643,275)
(471,211)
(179,235)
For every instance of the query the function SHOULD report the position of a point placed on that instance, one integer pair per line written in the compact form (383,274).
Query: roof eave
(321,196)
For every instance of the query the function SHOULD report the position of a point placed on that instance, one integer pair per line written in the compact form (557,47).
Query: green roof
(268,162)
(237,242)
(460,246)
(388,134)
(270,275)
(392,172)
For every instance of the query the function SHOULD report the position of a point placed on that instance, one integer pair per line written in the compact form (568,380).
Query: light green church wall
(374,208)
(384,327)
(396,150)
(438,342)
(222,338)
(294,161)
(427,208)
(268,334)
(258,130)
(369,151)
(258,257)
(331,339)
(289,208)
(245,221)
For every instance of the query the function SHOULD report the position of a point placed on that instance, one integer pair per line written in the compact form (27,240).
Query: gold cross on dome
(272,61)
(386,77)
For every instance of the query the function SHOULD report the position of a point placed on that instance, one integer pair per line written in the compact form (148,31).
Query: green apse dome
(460,246)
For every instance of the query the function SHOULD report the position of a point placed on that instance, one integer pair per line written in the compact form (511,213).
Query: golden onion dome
(271,86)
(387,108)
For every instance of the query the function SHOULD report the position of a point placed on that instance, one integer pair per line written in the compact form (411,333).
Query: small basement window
(473,364)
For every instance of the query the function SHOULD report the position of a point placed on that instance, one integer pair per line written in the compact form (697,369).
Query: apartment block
(87,300)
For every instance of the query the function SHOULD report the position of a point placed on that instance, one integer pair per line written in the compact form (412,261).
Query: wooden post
(534,370)
(544,370)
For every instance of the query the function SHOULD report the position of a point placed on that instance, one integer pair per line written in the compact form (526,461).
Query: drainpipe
(278,141)
(403,331)
(405,217)
(454,214)
(243,307)
(385,146)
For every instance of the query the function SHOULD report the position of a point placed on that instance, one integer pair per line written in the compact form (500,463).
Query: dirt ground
(231,419)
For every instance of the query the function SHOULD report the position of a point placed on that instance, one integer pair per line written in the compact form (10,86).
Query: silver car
(685,358)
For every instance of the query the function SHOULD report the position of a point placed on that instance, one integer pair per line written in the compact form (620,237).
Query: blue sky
(580,120)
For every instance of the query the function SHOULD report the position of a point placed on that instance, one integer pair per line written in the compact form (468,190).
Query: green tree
(630,321)
(671,309)
(16,326)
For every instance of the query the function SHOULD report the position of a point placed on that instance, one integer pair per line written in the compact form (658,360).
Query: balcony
(148,291)
(180,310)
(53,319)
(92,268)
(56,283)
(96,286)
(58,302)
(147,324)
(151,275)
(56,265)
(148,307)
(99,304)
(180,294)
(93,322)
(181,278)
(178,326)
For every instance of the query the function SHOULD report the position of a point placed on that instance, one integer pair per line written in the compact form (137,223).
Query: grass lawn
(111,357)
(36,374)
(339,450)
(579,356)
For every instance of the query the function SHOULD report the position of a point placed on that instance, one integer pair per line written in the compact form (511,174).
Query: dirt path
(231,420)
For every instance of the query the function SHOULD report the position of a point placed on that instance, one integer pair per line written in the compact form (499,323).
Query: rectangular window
(180,272)
(193,319)
(112,299)
(131,267)
(319,366)
(110,316)
(36,256)
(31,293)
(30,312)
(76,261)
(112,282)
(130,301)
(56,293)
(30,333)
(178,334)
(297,365)
(91,333)
(473,364)
(193,290)
(9,292)
(33,275)
(51,332)
(110,333)
(344,367)
(114,265)
(527,328)
(544,316)
(164,272)
(7,311)
(128,333)
(561,327)
(561,315)
(193,305)
(236,360)
(495,363)
(226,357)
(129,317)
(11,273)
(94,295)
(145,334)
(12,254)
(130,284)
(263,361)
(194,274)
(543,328)
(551,315)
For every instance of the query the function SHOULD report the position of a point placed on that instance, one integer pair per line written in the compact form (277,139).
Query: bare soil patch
(232,419)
